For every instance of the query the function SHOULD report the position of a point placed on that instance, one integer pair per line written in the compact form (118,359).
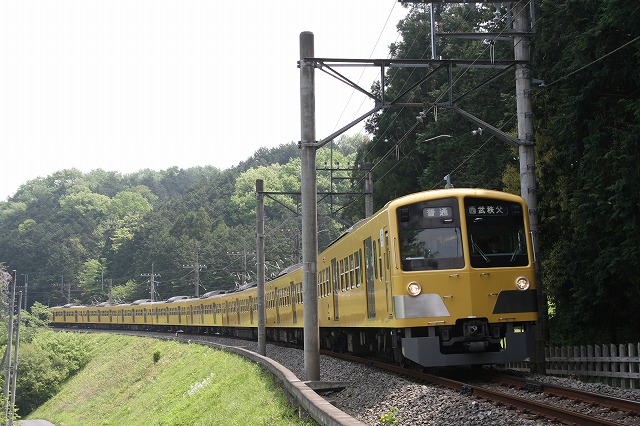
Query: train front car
(464,289)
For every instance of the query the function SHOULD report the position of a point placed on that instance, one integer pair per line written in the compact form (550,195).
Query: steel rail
(542,409)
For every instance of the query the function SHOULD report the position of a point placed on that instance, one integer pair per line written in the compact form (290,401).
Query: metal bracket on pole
(305,62)
(488,127)
(306,144)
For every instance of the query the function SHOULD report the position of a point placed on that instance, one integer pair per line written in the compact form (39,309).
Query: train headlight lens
(414,288)
(522,283)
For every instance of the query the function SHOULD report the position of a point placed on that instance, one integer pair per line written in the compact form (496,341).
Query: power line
(593,62)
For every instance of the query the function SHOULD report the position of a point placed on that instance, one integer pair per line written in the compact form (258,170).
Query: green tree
(45,363)
(589,180)
(404,156)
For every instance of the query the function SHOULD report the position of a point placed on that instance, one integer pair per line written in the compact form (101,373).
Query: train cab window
(496,233)
(430,235)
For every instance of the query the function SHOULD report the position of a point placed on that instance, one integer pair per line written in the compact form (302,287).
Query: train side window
(347,282)
(352,271)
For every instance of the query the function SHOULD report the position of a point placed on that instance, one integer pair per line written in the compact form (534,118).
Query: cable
(593,62)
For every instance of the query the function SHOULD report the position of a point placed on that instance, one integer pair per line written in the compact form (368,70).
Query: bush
(45,363)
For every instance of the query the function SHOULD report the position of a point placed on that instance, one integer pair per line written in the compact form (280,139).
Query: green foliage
(89,275)
(75,225)
(13,409)
(156,357)
(125,292)
(45,363)
(32,322)
(189,384)
(390,417)
(406,151)
(589,180)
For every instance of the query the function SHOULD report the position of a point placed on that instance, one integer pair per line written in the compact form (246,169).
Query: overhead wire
(427,111)
(539,19)
(363,71)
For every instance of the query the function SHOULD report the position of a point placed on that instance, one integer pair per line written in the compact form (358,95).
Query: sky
(126,85)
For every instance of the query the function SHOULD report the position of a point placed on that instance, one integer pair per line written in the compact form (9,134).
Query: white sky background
(126,85)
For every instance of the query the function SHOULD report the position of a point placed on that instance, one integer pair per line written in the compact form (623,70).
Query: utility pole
(243,254)
(26,285)
(197,267)
(309,195)
(7,376)
(62,287)
(152,277)
(15,361)
(368,190)
(522,52)
(262,335)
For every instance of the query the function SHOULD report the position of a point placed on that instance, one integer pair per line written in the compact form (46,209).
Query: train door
(292,286)
(238,310)
(251,302)
(277,295)
(386,272)
(336,288)
(144,313)
(369,276)
(202,314)
(190,311)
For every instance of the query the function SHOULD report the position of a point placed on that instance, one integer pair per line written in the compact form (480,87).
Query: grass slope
(188,385)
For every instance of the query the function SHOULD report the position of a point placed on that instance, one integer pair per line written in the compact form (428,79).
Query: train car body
(439,278)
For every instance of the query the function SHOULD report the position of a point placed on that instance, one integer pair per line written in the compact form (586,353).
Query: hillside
(135,381)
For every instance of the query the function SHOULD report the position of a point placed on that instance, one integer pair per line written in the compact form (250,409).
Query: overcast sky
(128,85)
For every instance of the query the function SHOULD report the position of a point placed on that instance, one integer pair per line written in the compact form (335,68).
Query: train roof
(176,298)
(289,269)
(212,293)
(449,192)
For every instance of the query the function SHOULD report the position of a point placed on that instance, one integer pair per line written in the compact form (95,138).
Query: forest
(76,237)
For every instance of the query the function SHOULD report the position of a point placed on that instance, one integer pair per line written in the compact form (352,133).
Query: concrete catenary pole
(26,287)
(14,378)
(7,376)
(309,209)
(152,277)
(262,335)
(522,52)
(368,191)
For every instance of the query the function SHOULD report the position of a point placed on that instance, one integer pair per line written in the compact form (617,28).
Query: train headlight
(522,283)
(414,289)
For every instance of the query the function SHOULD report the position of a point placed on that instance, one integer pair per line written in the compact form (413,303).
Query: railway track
(560,405)
(534,397)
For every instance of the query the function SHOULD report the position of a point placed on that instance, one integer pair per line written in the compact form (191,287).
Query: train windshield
(430,236)
(496,233)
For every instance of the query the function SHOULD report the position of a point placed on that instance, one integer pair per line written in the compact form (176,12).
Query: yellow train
(440,277)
